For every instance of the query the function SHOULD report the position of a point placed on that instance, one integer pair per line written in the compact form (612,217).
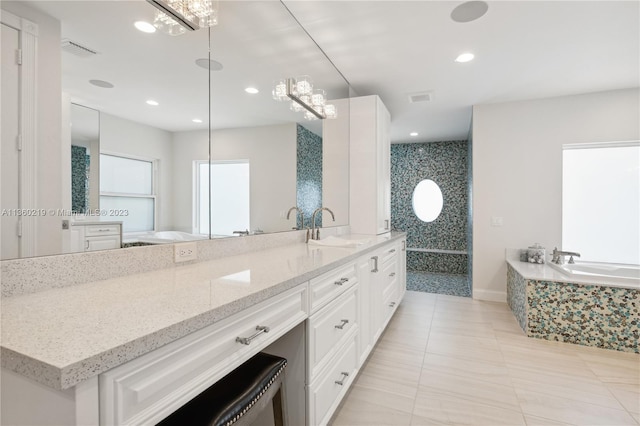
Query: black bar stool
(239,397)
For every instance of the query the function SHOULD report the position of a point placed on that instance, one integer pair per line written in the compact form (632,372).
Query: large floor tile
(470,389)
(539,421)
(382,397)
(627,394)
(435,407)
(361,413)
(571,411)
(492,372)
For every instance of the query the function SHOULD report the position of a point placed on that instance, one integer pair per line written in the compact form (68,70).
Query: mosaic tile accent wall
(79,179)
(447,164)
(309,175)
(589,315)
(516,296)
(437,262)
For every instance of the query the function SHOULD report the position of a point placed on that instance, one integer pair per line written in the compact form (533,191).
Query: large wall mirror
(159,140)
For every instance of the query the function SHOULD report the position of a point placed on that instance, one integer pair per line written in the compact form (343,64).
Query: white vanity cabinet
(369,166)
(332,341)
(92,236)
(149,388)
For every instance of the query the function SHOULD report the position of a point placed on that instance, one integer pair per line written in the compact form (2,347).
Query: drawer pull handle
(375,264)
(341,281)
(247,340)
(392,304)
(393,274)
(341,381)
(104,230)
(341,326)
(392,251)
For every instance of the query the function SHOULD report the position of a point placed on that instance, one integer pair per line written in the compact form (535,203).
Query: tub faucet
(298,212)
(241,233)
(315,233)
(558,256)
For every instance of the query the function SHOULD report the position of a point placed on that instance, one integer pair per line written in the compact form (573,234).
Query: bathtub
(609,273)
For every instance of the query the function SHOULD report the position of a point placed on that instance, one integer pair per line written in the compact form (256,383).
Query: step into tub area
(587,309)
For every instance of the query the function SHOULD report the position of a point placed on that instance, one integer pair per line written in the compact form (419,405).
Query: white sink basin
(332,241)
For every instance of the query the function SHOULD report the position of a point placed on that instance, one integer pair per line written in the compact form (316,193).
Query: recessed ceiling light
(413,134)
(465,57)
(101,83)
(251,90)
(209,64)
(152,102)
(197,120)
(145,27)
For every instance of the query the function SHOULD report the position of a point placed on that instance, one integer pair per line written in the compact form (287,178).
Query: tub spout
(558,256)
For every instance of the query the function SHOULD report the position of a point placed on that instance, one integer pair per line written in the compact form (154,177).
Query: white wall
(120,136)
(517,171)
(271,151)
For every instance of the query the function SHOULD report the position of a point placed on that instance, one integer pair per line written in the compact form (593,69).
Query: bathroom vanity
(133,349)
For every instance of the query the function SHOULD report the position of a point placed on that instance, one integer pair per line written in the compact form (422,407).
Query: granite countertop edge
(67,376)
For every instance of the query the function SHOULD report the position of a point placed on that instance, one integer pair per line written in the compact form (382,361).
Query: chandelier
(304,97)
(174,17)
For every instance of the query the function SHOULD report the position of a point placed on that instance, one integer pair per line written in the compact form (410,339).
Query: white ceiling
(523,50)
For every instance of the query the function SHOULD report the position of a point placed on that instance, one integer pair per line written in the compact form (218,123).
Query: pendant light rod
(293,97)
(165,6)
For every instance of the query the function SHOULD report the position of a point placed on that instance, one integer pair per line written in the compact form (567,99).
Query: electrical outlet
(185,251)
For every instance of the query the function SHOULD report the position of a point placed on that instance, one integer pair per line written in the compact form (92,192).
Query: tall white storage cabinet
(370,163)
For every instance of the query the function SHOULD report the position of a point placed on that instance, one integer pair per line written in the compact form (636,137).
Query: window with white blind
(601,201)
(127,188)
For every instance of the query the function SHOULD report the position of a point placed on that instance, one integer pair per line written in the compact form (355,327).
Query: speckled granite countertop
(63,336)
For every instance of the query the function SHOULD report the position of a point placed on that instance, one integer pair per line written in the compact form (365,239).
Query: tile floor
(447,360)
(434,282)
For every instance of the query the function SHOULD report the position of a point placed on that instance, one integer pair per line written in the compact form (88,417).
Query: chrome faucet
(241,233)
(315,233)
(299,212)
(558,256)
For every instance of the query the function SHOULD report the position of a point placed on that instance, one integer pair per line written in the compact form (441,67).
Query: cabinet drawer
(389,305)
(389,253)
(329,327)
(149,388)
(99,230)
(389,278)
(328,390)
(102,243)
(327,286)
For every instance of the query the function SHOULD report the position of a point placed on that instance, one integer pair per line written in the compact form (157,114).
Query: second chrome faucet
(315,233)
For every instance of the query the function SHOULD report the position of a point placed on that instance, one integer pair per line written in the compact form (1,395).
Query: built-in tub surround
(441,244)
(550,306)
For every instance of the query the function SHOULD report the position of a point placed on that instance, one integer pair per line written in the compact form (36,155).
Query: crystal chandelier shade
(175,17)
(304,98)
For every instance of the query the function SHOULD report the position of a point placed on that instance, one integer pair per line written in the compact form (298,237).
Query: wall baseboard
(490,295)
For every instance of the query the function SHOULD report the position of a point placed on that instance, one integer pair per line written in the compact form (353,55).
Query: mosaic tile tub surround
(447,164)
(590,315)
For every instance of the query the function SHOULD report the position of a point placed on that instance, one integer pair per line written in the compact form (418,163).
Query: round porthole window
(427,200)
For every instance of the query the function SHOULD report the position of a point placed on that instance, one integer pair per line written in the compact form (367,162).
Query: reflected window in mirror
(229,208)
(127,191)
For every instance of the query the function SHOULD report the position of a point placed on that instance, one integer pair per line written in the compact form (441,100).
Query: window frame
(154,187)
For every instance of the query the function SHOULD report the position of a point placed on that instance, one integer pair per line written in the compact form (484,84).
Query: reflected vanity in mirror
(184,151)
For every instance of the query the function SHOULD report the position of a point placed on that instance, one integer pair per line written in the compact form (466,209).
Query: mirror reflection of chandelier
(175,17)
(304,97)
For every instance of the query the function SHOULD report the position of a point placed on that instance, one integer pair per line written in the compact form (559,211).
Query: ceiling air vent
(77,49)
(420,97)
